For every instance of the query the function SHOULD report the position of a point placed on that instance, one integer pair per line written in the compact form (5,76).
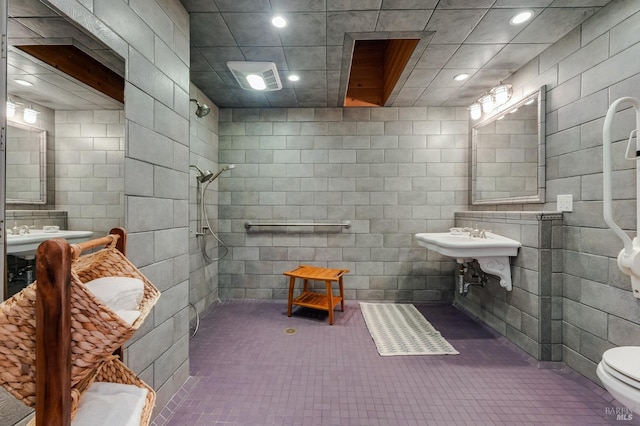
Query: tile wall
(391,172)
(585,72)
(203,146)
(89,169)
(530,315)
(153,37)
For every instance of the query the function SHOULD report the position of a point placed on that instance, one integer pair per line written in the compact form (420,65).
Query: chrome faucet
(475,232)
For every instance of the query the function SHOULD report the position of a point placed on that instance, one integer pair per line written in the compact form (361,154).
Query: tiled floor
(247,371)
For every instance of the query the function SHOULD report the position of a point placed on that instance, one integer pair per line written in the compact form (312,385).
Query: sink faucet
(475,232)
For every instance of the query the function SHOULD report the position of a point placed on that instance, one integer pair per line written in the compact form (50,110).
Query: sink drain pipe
(480,277)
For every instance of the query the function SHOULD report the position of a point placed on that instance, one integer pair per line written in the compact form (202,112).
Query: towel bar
(248,225)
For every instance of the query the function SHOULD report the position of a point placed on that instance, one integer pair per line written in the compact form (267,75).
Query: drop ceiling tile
(209,30)
(552,24)
(333,80)
(513,56)
(522,3)
(198,62)
(453,26)
(435,96)
(199,5)
(334,57)
(306,58)
(407,96)
(251,98)
(403,20)
(473,55)
(421,77)
(353,4)
(316,96)
(465,4)
(436,55)
(338,23)
(218,57)
(207,80)
(298,5)
(282,97)
(243,5)
(578,3)
(252,29)
(409,4)
(495,27)
(266,54)
(310,80)
(304,29)
(444,78)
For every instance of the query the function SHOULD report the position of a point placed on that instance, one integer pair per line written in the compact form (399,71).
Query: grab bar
(248,225)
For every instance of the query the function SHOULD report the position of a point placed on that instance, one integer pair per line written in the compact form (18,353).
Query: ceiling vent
(261,76)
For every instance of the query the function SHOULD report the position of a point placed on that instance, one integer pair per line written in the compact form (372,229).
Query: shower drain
(290,331)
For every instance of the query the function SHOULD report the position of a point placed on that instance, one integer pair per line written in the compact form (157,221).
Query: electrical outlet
(565,203)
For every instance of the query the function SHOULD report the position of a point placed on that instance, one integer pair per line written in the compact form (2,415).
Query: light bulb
(294,77)
(521,17)
(487,103)
(501,93)
(256,82)
(475,111)
(278,22)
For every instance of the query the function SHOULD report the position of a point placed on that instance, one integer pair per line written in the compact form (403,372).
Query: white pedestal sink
(26,244)
(491,252)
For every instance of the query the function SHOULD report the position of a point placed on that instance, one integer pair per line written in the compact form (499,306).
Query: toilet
(619,372)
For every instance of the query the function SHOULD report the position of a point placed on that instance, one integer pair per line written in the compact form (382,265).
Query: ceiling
(468,36)
(457,36)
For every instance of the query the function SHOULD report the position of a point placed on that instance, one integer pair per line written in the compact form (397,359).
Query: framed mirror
(26,178)
(508,153)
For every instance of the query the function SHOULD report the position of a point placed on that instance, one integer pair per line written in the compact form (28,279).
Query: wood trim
(79,65)
(396,56)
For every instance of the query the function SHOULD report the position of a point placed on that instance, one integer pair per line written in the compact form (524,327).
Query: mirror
(26,178)
(508,154)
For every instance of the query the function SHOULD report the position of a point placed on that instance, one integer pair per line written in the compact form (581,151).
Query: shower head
(222,170)
(202,176)
(201,109)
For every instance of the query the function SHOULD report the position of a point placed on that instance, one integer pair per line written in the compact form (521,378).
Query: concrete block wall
(153,38)
(391,172)
(585,72)
(89,169)
(530,315)
(203,152)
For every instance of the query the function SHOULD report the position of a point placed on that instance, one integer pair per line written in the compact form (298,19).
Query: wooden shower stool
(309,299)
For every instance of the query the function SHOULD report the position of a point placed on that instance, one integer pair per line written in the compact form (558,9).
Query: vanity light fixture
(30,115)
(294,77)
(278,21)
(475,111)
(23,82)
(521,17)
(11,109)
(487,103)
(501,94)
(461,77)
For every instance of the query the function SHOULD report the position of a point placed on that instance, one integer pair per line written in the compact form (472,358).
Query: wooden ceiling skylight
(376,66)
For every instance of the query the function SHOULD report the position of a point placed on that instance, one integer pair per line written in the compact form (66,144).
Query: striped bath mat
(400,329)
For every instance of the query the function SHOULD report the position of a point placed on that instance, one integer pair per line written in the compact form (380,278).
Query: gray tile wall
(530,315)
(153,37)
(89,169)
(203,146)
(584,72)
(391,172)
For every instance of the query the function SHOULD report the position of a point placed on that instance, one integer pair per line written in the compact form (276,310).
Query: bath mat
(400,329)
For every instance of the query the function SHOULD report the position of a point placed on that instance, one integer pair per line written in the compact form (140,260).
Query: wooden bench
(323,301)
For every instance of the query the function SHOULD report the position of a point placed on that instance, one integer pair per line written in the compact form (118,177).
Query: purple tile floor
(247,371)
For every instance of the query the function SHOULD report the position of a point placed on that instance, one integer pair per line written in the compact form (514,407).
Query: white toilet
(619,372)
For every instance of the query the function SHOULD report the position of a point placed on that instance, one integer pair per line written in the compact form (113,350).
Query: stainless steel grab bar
(248,225)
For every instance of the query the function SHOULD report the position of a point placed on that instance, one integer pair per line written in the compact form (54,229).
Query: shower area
(204,179)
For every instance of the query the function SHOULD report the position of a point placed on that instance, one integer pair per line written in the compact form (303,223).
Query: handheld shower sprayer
(204,180)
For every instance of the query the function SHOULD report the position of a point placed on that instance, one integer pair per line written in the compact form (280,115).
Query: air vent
(266,70)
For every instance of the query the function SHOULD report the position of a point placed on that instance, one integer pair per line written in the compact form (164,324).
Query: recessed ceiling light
(23,82)
(461,77)
(294,77)
(278,22)
(521,17)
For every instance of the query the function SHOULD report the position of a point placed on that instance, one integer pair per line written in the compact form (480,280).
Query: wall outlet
(565,203)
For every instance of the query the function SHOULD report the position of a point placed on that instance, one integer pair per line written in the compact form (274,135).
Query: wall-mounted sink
(491,252)
(26,244)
